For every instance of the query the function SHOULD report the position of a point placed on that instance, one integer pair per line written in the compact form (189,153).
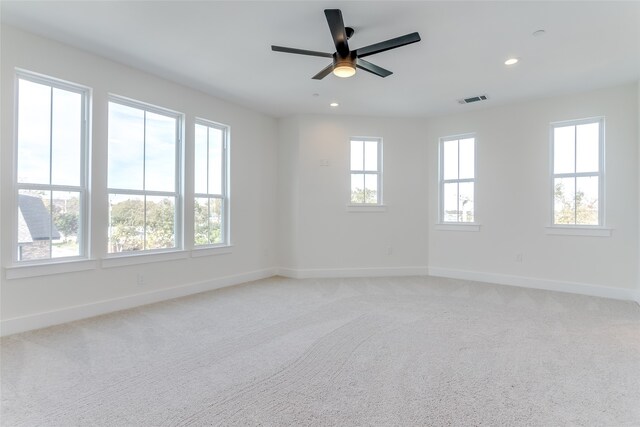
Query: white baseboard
(50,318)
(535,283)
(316,273)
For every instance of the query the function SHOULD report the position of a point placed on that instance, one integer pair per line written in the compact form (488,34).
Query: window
(366,171)
(577,164)
(210,166)
(457,179)
(143,177)
(51,180)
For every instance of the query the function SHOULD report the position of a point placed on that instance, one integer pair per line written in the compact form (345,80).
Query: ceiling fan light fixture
(344,70)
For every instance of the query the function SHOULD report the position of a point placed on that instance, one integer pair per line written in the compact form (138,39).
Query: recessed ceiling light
(511,61)
(334,104)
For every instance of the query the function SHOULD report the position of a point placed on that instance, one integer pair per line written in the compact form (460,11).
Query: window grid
(364,172)
(459,212)
(222,238)
(559,217)
(26,188)
(145,194)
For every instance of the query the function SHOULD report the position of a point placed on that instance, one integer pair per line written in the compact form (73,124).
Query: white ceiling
(223,48)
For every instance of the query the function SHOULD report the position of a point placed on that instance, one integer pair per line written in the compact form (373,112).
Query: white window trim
(600,229)
(179,187)
(443,225)
(57,267)
(83,189)
(367,207)
(226,215)
(462,226)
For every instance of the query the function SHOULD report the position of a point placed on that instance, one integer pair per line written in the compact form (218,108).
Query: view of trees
(208,221)
(578,210)
(129,230)
(364,195)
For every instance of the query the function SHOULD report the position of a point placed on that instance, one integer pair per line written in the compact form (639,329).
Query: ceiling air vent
(472,99)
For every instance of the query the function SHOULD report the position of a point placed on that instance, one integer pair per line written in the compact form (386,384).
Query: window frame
(84,223)
(600,174)
(178,192)
(225,228)
(379,196)
(467,225)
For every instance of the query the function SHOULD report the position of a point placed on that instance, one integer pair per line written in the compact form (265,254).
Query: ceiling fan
(345,60)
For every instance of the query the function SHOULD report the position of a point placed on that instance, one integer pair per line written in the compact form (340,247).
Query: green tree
(160,230)
(364,195)
(127,226)
(67,223)
(578,210)
(207,221)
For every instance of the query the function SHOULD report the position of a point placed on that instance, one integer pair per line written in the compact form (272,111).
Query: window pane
(35,231)
(215,220)
(467,153)
(160,153)
(126,223)
(66,221)
(160,225)
(587,200)
(200,160)
(66,137)
(371,188)
(371,155)
(126,147)
(564,201)
(201,221)
(450,198)
(450,160)
(564,149)
(357,155)
(34,126)
(357,188)
(466,205)
(215,160)
(587,155)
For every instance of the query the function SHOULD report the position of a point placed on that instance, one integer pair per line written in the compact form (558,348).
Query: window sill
(211,250)
(578,231)
(53,267)
(366,208)
(457,227)
(119,260)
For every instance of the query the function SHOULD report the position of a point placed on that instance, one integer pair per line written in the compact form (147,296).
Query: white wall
(253,187)
(513,196)
(638,169)
(288,211)
(328,240)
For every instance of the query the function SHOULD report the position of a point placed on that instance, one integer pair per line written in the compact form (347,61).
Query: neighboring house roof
(34,222)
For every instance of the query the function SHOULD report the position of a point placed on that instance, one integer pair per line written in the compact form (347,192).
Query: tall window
(457,179)
(577,148)
(366,171)
(51,181)
(143,177)
(211,204)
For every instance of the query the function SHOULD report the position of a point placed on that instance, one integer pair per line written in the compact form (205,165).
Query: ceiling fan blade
(338,32)
(301,51)
(324,73)
(372,68)
(387,45)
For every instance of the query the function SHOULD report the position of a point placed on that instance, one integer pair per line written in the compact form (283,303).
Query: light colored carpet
(386,351)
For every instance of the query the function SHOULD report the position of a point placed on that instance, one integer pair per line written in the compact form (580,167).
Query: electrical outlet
(389,250)
(140,279)
(519,257)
